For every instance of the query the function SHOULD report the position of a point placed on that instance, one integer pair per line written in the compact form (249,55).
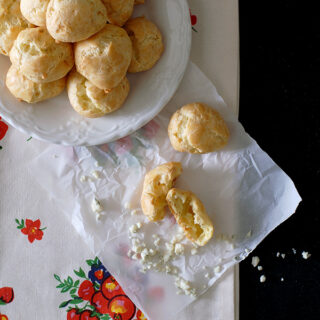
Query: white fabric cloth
(29,267)
(245,193)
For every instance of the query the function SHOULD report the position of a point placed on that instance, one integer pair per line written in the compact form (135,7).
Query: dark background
(280,107)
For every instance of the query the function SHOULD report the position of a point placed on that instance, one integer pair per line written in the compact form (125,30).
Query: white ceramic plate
(56,121)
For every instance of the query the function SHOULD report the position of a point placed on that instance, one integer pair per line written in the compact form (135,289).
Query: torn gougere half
(191,215)
(157,184)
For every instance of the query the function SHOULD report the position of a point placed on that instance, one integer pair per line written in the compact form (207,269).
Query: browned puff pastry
(24,89)
(75,20)
(92,102)
(11,23)
(105,57)
(118,11)
(197,128)
(157,183)
(37,55)
(191,215)
(147,44)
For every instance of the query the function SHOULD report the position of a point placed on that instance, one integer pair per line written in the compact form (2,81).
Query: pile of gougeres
(86,45)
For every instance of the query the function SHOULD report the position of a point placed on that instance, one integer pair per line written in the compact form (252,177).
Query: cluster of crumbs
(96,205)
(256,260)
(159,257)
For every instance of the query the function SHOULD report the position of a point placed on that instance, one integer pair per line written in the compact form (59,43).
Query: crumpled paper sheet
(246,195)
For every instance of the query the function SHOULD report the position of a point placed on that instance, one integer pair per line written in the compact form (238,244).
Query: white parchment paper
(246,194)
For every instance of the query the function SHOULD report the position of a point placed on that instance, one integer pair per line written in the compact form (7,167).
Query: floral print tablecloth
(46,271)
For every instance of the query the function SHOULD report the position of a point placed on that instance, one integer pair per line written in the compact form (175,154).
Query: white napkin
(246,194)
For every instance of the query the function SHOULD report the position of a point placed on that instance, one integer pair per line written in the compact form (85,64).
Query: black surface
(280,108)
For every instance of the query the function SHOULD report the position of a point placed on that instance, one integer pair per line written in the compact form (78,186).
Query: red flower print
(100,303)
(140,315)
(6,295)
(3,129)
(194,21)
(123,145)
(73,314)
(111,288)
(31,229)
(3,317)
(86,315)
(86,290)
(95,300)
(151,129)
(121,308)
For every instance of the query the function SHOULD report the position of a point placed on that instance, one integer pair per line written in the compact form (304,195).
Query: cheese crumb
(278,254)
(207,275)
(95,174)
(174,270)
(97,164)
(138,248)
(294,250)
(167,257)
(134,212)
(135,256)
(184,286)
(281,279)
(170,247)
(305,255)
(98,217)
(260,268)
(177,238)
(157,242)
(144,254)
(96,206)
(255,261)
(217,269)
(127,205)
(283,255)
(135,227)
(83,179)
(135,241)
(194,251)
(263,278)
(179,249)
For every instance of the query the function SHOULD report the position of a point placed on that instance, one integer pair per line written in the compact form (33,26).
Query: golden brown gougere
(147,44)
(26,90)
(11,23)
(197,128)
(75,20)
(105,57)
(157,183)
(39,57)
(92,102)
